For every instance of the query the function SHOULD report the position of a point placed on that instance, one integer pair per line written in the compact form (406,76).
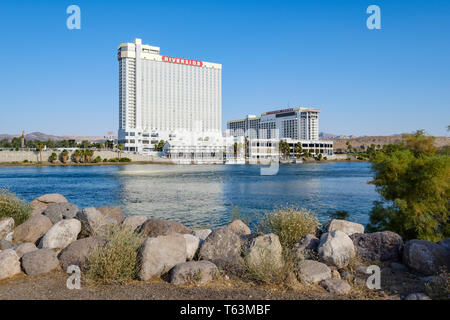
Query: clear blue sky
(274,54)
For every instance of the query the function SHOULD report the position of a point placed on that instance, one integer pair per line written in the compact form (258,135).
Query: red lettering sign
(188,62)
(279,111)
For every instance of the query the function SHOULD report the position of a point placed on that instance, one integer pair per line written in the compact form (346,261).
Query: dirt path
(53,287)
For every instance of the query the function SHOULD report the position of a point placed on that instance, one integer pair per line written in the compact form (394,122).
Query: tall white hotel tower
(163,98)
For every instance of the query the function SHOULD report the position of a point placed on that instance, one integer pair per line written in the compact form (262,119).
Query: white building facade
(162,98)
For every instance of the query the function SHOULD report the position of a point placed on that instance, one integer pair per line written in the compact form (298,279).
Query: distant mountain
(44,137)
(324,135)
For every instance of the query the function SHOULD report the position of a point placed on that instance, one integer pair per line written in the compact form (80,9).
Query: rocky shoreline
(58,234)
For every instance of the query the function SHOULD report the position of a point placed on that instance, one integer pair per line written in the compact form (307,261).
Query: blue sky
(274,54)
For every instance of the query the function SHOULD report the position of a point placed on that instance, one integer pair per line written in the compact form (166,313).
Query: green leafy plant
(13,207)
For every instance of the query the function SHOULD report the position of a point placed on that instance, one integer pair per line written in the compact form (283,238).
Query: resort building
(162,98)
(294,126)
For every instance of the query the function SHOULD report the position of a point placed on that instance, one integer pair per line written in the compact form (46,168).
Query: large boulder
(134,222)
(202,233)
(6,225)
(307,247)
(336,286)
(336,248)
(310,271)
(113,212)
(378,246)
(425,257)
(9,264)
(263,250)
(61,234)
(155,227)
(198,272)
(5,244)
(239,227)
(223,248)
(41,203)
(59,211)
(78,252)
(32,229)
(445,243)
(93,222)
(25,248)
(192,244)
(39,262)
(345,226)
(158,255)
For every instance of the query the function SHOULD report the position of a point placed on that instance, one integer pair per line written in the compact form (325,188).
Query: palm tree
(77,155)
(64,155)
(39,147)
(53,157)
(120,148)
(298,150)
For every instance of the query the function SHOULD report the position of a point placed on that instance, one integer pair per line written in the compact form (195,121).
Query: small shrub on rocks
(439,287)
(13,207)
(117,261)
(289,224)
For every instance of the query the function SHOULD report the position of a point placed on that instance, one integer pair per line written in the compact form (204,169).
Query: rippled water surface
(202,195)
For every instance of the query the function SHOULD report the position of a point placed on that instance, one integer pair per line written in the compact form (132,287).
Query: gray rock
(113,212)
(336,248)
(61,234)
(445,243)
(239,227)
(158,255)
(223,248)
(4,244)
(59,211)
(134,222)
(78,252)
(307,247)
(425,257)
(41,203)
(32,229)
(93,222)
(192,244)
(378,246)
(9,264)
(6,225)
(310,271)
(263,250)
(198,272)
(417,296)
(25,248)
(345,226)
(336,286)
(398,267)
(202,233)
(39,262)
(156,227)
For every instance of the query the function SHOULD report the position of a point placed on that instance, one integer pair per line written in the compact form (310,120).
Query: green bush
(13,207)
(289,224)
(97,159)
(125,160)
(117,261)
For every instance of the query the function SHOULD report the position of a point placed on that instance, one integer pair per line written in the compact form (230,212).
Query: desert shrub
(289,224)
(13,207)
(117,261)
(439,287)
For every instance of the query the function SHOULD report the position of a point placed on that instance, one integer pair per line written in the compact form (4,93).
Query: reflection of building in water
(192,195)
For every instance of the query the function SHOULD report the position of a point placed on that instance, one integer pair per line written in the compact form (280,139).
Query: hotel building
(293,125)
(165,98)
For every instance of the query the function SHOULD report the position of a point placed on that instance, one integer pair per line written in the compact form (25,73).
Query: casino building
(166,98)
(293,125)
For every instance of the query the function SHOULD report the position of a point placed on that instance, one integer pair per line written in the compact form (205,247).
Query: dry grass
(439,287)
(13,207)
(289,224)
(117,261)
